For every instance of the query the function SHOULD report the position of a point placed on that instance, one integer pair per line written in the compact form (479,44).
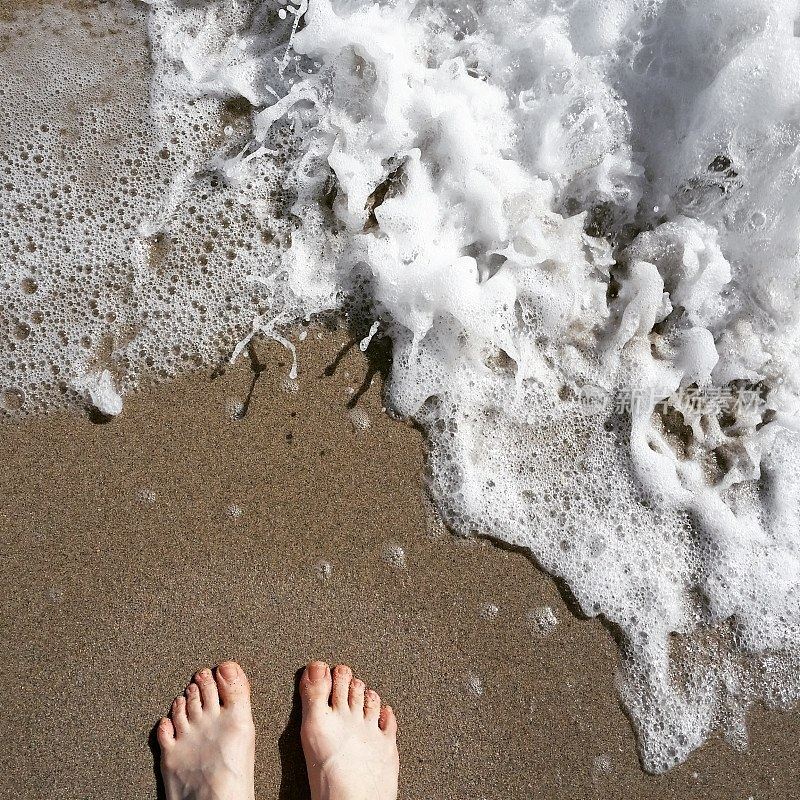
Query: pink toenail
(228,670)
(316,670)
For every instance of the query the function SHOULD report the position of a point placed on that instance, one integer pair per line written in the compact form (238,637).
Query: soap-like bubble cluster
(577,220)
(543,620)
(323,569)
(395,556)
(122,254)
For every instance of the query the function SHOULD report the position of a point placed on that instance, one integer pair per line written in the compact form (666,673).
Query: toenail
(203,675)
(228,670)
(316,670)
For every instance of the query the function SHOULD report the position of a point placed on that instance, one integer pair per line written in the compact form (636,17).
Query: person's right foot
(349,741)
(208,744)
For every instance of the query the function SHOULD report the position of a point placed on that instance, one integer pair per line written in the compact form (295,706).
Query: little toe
(372,705)
(356,696)
(208,690)
(315,686)
(232,685)
(165,733)
(194,706)
(179,719)
(342,675)
(388,721)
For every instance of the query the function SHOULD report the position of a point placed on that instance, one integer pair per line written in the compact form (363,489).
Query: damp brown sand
(175,536)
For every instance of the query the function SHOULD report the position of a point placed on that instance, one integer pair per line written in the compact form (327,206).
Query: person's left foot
(349,740)
(208,745)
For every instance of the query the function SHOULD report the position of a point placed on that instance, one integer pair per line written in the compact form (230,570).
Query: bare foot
(350,743)
(208,746)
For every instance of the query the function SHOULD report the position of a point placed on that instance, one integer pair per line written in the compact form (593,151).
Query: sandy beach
(236,514)
(176,536)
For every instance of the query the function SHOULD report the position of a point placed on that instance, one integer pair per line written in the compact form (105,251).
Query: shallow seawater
(575,220)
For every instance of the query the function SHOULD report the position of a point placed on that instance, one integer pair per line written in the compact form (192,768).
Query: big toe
(315,686)
(232,685)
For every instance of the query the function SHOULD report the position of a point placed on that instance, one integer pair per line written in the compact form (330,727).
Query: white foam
(100,392)
(121,250)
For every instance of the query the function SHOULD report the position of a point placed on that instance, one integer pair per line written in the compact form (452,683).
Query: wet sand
(175,536)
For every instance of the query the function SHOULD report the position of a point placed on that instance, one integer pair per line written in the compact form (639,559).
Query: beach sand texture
(137,551)
(175,536)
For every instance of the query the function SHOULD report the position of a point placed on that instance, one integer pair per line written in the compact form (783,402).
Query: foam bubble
(323,569)
(602,764)
(359,419)
(99,391)
(474,684)
(395,556)
(146,495)
(543,619)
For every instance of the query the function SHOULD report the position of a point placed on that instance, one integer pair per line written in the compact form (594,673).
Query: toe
(232,685)
(315,686)
(388,721)
(342,675)
(165,733)
(208,690)
(372,705)
(194,707)
(356,696)
(179,719)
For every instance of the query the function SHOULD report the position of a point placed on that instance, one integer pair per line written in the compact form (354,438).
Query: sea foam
(577,221)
